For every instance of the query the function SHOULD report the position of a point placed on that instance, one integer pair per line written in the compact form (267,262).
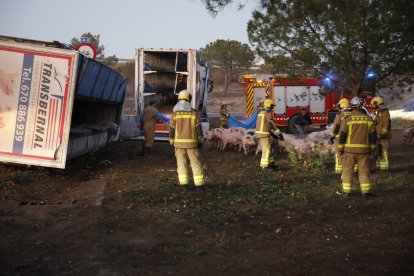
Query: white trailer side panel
(36,100)
(317,101)
(280,99)
(297,96)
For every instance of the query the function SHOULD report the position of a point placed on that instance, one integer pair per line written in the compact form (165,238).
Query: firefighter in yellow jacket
(186,136)
(224,115)
(357,139)
(265,128)
(344,111)
(382,122)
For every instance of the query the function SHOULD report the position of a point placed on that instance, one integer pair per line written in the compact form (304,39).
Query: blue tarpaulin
(248,123)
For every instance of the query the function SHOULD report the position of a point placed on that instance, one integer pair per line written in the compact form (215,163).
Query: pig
(221,137)
(8,83)
(4,115)
(408,136)
(233,136)
(318,136)
(249,142)
(301,147)
(213,139)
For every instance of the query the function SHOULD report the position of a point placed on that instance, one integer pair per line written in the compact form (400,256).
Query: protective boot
(272,166)
(143,151)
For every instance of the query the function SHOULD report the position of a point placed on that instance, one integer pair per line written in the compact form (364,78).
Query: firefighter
(224,115)
(265,128)
(344,111)
(382,122)
(357,139)
(259,107)
(186,136)
(149,117)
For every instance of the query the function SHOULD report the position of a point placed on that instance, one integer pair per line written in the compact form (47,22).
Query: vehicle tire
(291,126)
(283,129)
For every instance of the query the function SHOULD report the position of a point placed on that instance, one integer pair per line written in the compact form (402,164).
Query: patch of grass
(248,191)
(23,177)
(234,198)
(388,181)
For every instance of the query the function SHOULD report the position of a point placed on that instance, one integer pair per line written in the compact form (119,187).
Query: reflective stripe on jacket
(382,122)
(185,129)
(265,125)
(337,122)
(357,133)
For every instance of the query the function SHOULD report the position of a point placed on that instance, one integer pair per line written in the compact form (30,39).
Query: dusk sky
(124,25)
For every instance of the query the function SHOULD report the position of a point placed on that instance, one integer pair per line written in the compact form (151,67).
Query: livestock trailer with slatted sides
(55,103)
(160,74)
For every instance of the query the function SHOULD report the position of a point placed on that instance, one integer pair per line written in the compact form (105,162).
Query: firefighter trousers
(382,162)
(349,160)
(338,160)
(149,131)
(185,158)
(267,156)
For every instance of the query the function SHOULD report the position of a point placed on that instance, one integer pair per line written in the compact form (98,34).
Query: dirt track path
(79,221)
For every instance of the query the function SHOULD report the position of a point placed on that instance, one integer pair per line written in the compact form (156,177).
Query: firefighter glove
(332,139)
(200,142)
(382,136)
(273,135)
(280,136)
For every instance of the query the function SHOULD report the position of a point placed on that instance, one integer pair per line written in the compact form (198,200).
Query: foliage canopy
(344,40)
(229,55)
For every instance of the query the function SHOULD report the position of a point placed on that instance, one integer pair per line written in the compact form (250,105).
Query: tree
(127,70)
(100,55)
(214,6)
(342,40)
(110,61)
(230,56)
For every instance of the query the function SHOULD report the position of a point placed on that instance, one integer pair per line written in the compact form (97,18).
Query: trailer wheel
(291,126)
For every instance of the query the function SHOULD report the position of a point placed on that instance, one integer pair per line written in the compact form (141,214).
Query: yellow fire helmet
(184,95)
(268,103)
(377,101)
(343,103)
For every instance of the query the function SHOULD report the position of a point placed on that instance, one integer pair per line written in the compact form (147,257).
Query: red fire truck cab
(291,96)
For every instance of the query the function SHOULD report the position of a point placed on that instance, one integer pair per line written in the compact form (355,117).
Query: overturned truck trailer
(55,103)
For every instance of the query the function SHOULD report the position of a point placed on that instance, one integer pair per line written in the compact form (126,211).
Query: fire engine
(291,96)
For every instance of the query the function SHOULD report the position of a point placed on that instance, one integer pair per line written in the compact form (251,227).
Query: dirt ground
(114,212)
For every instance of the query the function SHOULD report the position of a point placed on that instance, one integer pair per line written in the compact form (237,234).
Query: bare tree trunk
(227,80)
